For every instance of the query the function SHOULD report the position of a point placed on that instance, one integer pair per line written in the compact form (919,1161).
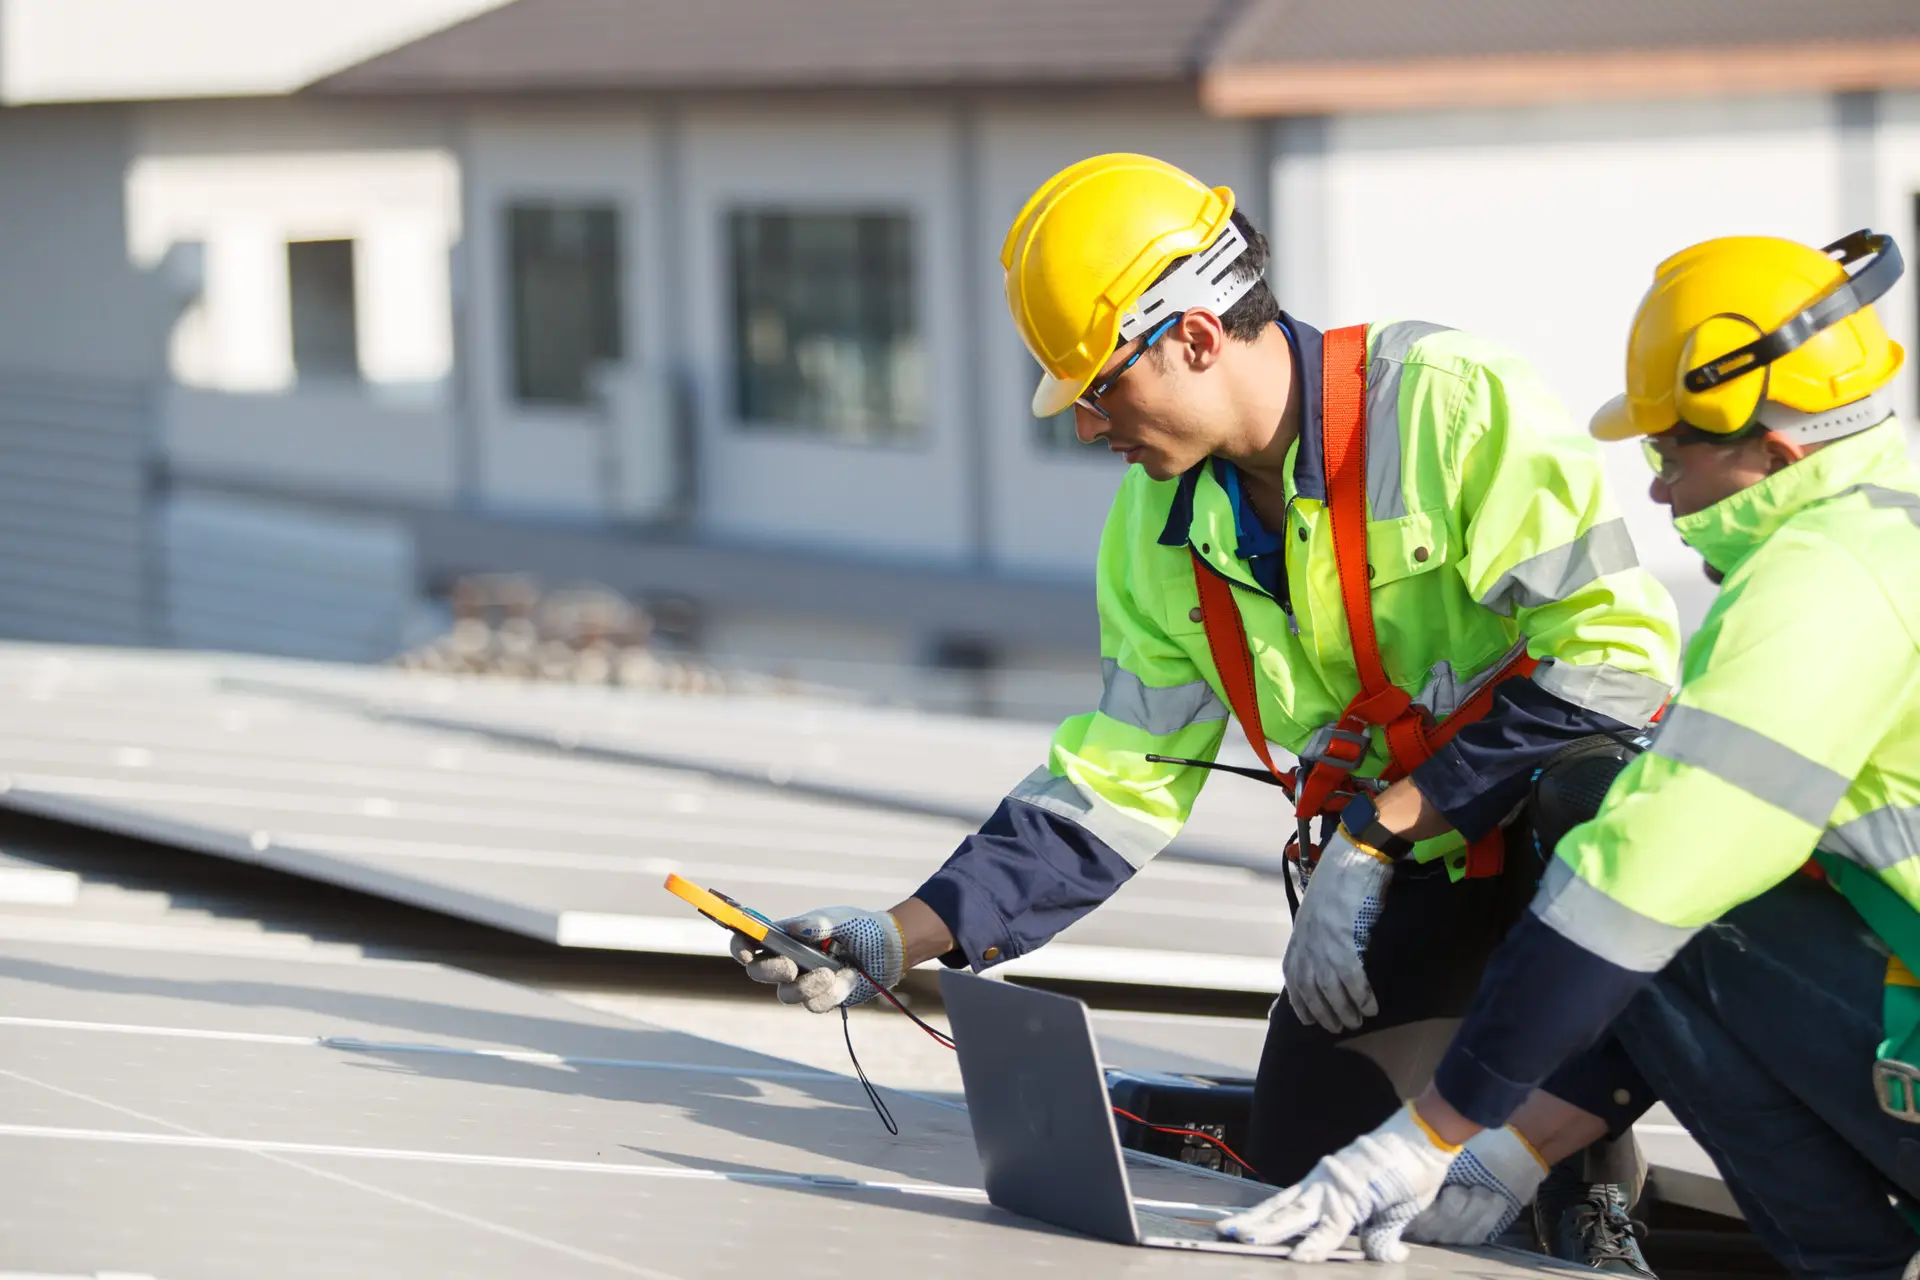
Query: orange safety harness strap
(1411,741)
(1233,658)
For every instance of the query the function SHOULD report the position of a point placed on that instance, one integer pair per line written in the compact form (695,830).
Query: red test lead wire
(946,1041)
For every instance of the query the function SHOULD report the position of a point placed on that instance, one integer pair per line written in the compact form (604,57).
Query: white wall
(241,181)
(1541,229)
(1046,506)
(325,442)
(70,301)
(540,460)
(1896,204)
(897,501)
(100,50)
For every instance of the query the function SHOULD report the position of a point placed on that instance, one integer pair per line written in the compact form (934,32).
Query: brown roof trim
(1280,89)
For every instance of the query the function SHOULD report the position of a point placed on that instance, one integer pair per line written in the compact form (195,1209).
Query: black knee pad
(1568,788)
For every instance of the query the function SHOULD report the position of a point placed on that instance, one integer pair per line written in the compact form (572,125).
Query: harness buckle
(1353,745)
(1896,1086)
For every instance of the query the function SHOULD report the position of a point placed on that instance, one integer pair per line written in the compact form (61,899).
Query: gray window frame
(897,434)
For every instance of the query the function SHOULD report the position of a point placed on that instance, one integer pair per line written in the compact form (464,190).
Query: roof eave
(1319,88)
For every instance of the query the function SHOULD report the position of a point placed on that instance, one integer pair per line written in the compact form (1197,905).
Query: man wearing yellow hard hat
(1384,549)
(1749,893)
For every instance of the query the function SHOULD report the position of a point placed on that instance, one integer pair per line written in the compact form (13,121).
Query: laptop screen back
(1041,1118)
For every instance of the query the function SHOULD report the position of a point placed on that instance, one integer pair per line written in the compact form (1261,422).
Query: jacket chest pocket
(1179,602)
(1413,613)
(1405,548)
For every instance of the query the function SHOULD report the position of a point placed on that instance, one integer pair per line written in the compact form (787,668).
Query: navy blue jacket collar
(1309,464)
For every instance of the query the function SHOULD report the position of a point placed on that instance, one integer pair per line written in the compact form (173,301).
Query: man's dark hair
(1248,318)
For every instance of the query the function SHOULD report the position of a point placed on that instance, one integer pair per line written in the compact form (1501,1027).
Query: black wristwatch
(1361,821)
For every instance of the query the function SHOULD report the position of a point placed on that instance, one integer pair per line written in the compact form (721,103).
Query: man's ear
(1781,452)
(1203,338)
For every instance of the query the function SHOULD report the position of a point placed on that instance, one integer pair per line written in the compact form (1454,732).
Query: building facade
(567,288)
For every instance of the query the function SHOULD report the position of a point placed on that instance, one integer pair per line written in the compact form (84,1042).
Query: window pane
(564,261)
(326,343)
(825,334)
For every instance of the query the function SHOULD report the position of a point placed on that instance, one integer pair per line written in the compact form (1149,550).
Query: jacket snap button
(1621,1097)
(1303,533)
(1369,573)
(990,954)
(1193,614)
(1206,548)
(1421,554)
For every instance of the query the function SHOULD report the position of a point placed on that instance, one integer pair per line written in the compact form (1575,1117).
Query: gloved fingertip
(1387,1251)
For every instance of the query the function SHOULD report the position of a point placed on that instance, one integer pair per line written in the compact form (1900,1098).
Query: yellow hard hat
(1087,244)
(1738,323)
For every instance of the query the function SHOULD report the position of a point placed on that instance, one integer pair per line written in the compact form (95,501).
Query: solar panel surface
(239,1102)
(197,752)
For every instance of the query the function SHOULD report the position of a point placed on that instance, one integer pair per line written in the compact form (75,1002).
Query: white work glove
(1326,982)
(1493,1178)
(871,938)
(1373,1187)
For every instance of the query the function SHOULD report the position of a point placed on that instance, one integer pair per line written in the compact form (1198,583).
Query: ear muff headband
(1883,267)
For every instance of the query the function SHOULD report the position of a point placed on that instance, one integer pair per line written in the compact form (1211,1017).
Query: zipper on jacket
(1285,602)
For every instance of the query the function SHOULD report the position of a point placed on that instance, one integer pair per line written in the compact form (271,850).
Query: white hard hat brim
(1054,395)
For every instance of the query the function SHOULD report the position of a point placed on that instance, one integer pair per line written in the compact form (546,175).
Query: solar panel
(566,849)
(190,1085)
(193,1112)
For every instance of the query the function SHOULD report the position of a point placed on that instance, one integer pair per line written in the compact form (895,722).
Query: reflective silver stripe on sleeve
(1158,711)
(1443,694)
(1626,696)
(1589,919)
(1753,762)
(1132,839)
(1877,840)
(1386,495)
(1560,571)
(1881,496)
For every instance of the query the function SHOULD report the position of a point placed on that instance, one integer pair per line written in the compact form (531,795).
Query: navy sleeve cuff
(1604,1082)
(1024,876)
(976,927)
(1542,1000)
(1486,769)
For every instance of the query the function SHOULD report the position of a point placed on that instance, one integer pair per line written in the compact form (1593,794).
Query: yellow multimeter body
(728,914)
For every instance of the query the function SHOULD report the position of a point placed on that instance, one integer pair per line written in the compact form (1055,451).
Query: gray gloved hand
(872,938)
(1326,981)
(1492,1179)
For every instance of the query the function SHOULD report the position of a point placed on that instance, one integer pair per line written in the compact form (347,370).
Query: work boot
(1587,1224)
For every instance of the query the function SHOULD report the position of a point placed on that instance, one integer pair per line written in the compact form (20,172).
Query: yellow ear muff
(1730,406)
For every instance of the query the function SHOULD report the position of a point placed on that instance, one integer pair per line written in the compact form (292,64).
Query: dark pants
(1760,1036)
(1319,1090)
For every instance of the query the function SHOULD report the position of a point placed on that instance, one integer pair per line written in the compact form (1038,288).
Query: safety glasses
(1665,465)
(1662,451)
(1091,400)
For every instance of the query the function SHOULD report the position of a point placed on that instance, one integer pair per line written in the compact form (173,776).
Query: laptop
(1042,1121)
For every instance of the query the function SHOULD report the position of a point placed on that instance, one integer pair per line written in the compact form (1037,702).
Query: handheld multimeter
(728,914)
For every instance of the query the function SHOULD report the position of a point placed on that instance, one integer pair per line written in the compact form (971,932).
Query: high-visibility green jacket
(1797,726)
(1490,528)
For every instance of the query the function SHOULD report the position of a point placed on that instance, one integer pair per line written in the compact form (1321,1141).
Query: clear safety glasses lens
(1091,401)
(1665,466)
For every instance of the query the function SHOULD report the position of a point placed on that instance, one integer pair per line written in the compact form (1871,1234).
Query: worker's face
(1691,474)
(1154,406)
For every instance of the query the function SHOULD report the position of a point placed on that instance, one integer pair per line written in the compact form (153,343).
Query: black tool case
(1217,1106)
